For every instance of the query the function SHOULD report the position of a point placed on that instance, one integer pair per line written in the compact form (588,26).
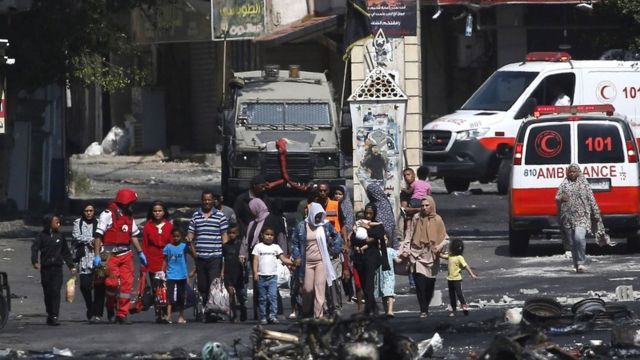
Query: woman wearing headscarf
(347,221)
(579,214)
(156,234)
(367,258)
(83,231)
(262,217)
(312,240)
(384,211)
(425,239)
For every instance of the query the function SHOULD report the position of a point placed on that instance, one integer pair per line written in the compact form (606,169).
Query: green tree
(60,40)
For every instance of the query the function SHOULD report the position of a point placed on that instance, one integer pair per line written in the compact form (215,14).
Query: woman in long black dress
(367,258)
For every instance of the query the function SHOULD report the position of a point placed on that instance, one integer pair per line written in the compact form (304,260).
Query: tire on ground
(518,242)
(633,243)
(504,177)
(456,184)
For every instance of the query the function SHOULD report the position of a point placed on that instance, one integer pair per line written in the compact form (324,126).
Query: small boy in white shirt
(265,272)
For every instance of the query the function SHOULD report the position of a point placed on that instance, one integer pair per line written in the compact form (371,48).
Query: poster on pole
(237,19)
(397,18)
(378,111)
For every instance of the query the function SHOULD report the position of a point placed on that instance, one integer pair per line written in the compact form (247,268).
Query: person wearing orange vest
(116,232)
(332,209)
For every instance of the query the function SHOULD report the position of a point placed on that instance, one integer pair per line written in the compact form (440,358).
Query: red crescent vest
(121,226)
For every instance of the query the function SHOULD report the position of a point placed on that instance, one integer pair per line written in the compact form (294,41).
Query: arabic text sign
(397,18)
(240,19)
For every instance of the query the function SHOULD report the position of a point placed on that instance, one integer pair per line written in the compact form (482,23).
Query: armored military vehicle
(283,125)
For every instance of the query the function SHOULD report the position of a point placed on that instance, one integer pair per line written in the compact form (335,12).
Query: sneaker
(567,254)
(94,320)
(53,321)
(123,321)
(581,269)
(273,321)
(292,316)
(263,322)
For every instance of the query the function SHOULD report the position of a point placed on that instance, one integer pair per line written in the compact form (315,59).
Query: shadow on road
(541,248)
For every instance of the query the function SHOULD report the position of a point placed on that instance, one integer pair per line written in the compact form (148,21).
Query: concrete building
(439,67)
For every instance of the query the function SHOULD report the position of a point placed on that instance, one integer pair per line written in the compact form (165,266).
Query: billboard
(238,19)
(397,18)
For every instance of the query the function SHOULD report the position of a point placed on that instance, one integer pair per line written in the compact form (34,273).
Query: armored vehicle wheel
(456,184)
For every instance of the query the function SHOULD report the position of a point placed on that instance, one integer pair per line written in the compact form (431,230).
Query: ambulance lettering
(591,171)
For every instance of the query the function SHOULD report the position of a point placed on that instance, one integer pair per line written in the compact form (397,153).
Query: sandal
(182,321)
(452,314)
(465,310)
(423,315)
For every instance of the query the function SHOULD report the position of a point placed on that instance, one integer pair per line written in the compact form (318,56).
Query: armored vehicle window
(308,114)
(548,145)
(263,113)
(500,91)
(599,143)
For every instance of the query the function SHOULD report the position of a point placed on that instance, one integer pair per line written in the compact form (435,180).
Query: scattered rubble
(358,337)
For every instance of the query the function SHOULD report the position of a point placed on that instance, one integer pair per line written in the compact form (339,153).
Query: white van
(604,148)
(476,142)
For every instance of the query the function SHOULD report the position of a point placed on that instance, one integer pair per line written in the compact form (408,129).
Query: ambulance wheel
(504,173)
(633,243)
(456,184)
(4,311)
(518,242)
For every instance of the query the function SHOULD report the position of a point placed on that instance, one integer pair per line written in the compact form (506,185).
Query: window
(599,143)
(548,144)
(556,89)
(291,113)
(500,91)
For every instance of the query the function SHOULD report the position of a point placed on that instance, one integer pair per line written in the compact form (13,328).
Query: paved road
(478,216)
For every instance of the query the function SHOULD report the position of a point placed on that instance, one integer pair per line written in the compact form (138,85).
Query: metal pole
(344,85)
(224,67)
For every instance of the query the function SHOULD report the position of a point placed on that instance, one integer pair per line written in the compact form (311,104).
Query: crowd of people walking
(332,255)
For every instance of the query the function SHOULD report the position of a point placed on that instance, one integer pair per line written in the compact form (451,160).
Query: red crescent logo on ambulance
(125,228)
(548,143)
(606,92)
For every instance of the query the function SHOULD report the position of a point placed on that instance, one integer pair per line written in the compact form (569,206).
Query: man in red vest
(116,232)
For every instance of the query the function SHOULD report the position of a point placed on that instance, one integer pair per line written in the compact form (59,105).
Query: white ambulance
(476,142)
(606,151)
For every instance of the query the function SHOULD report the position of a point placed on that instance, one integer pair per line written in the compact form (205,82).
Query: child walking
(265,256)
(387,282)
(175,268)
(48,253)
(457,263)
(234,273)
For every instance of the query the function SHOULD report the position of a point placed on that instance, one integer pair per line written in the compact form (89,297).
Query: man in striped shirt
(206,233)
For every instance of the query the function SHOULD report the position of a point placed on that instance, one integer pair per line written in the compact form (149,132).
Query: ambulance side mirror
(527,108)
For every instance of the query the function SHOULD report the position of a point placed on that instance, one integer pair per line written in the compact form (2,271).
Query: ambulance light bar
(551,109)
(548,56)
